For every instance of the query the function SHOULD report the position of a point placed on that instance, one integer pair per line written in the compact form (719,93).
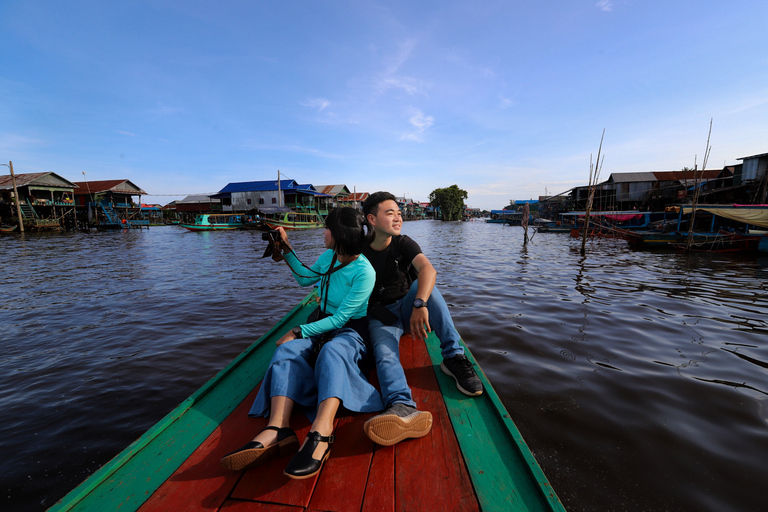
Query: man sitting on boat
(403,302)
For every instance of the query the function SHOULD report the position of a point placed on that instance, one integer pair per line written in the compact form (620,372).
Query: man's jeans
(386,339)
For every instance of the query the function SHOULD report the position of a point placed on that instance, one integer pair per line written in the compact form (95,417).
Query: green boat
(221,222)
(474,458)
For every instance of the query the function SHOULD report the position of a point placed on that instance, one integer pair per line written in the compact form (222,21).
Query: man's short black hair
(371,205)
(347,227)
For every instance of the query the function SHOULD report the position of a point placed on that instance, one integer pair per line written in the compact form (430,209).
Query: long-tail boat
(474,458)
(221,222)
(294,220)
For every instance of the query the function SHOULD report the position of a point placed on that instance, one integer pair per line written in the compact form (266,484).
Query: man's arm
(427,277)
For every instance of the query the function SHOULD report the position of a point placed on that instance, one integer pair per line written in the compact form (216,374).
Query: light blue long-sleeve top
(348,290)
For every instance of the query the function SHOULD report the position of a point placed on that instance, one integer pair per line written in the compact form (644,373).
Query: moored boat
(219,222)
(8,229)
(294,220)
(474,458)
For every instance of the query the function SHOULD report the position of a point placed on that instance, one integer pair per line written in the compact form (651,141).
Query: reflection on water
(638,379)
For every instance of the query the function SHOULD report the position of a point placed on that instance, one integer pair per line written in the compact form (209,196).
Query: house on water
(46,200)
(110,203)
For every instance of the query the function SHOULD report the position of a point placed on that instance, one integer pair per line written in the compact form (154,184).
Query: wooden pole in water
(18,199)
(695,201)
(591,195)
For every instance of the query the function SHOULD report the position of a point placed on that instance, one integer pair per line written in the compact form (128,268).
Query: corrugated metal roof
(687,175)
(333,190)
(752,156)
(259,186)
(355,196)
(48,179)
(627,177)
(198,198)
(116,186)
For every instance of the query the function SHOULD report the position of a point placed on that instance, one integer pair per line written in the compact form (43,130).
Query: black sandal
(302,464)
(254,454)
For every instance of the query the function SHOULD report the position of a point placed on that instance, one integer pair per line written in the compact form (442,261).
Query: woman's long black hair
(347,227)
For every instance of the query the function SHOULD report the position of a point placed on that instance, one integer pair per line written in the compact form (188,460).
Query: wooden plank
(342,481)
(201,483)
(248,506)
(433,475)
(380,488)
(504,472)
(268,484)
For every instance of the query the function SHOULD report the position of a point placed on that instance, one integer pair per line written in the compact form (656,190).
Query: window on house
(274,200)
(261,200)
(249,201)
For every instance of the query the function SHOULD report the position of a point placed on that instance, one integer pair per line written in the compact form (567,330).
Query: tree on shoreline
(450,200)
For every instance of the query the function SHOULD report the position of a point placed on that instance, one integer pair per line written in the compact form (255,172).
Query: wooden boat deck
(472,459)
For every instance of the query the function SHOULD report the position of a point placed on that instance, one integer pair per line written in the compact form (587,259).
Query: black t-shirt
(394,269)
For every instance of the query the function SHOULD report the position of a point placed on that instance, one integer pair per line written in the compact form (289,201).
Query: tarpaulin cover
(753,216)
(622,218)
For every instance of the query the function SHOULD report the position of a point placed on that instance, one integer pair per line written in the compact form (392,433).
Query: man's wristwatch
(418,303)
(297,332)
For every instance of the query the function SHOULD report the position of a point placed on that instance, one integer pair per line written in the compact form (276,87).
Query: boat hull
(274,224)
(210,227)
(476,457)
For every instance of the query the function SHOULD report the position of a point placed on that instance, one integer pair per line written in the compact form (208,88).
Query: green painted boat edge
(89,490)
(484,419)
(173,438)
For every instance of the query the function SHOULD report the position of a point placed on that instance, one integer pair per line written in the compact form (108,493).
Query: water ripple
(639,372)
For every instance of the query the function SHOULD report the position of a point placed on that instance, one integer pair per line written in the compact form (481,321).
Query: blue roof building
(270,196)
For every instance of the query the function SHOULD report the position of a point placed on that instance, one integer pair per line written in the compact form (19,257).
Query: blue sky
(507,99)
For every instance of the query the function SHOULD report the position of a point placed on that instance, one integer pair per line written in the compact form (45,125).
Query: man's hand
(286,338)
(420,323)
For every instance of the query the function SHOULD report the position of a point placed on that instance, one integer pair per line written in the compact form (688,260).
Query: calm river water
(638,379)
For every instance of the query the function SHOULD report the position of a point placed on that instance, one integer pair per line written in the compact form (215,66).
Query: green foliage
(450,200)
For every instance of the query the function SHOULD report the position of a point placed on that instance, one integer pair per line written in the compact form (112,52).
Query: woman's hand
(284,239)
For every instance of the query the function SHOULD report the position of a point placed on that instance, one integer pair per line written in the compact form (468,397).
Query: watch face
(418,303)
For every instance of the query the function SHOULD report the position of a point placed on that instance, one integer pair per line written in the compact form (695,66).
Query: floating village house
(353,200)
(270,197)
(753,176)
(110,203)
(642,190)
(197,203)
(334,193)
(46,199)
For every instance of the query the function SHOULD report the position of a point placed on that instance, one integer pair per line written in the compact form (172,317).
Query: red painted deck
(426,474)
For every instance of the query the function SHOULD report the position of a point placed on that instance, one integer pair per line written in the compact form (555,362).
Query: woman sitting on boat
(316,365)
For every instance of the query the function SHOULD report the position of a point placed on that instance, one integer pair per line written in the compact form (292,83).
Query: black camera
(272,235)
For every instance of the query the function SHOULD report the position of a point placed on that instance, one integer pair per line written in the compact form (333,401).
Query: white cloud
(319,103)
(505,103)
(163,110)
(123,132)
(412,86)
(605,5)
(421,122)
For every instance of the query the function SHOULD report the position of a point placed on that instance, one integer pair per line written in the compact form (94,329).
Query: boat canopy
(754,215)
(269,210)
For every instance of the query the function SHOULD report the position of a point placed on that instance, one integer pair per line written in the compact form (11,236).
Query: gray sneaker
(398,422)
(462,372)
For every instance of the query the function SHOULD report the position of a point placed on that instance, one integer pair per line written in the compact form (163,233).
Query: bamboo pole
(591,195)
(707,149)
(18,199)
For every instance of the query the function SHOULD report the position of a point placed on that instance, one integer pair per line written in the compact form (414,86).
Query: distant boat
(219,222)
(294,220)
(8,229)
